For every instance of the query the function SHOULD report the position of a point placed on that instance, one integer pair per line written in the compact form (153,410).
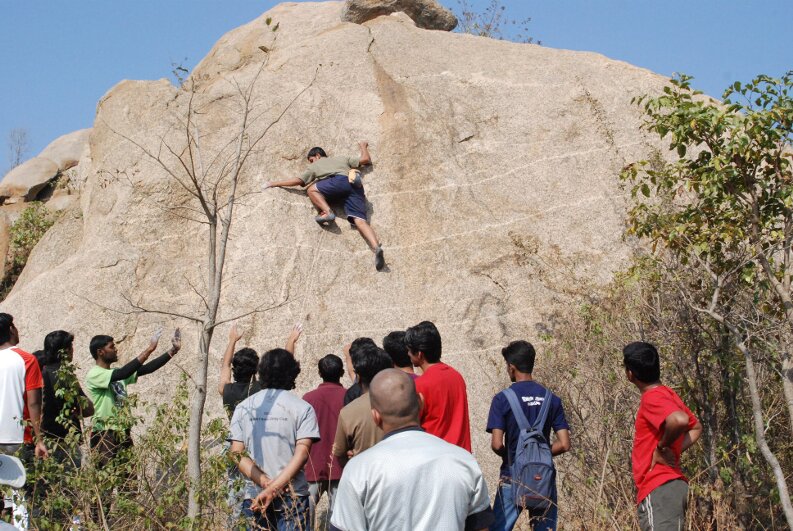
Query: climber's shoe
(327,218)
(379,259)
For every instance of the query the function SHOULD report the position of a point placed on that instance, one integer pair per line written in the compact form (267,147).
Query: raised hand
(235,334)
(155,338)
(176,341)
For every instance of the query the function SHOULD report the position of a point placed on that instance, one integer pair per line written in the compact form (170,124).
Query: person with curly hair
(271,436)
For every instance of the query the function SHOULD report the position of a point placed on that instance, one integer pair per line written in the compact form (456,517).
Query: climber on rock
(336,178)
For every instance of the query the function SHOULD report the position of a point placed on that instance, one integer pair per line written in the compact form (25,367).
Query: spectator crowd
(391,452)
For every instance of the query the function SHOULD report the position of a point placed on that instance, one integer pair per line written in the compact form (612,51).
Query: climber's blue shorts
(338,187)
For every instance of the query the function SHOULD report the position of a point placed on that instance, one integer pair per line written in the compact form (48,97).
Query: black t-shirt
(53,405)
(352,393)
(236,392)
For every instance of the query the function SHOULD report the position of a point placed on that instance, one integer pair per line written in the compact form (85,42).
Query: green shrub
(25,233)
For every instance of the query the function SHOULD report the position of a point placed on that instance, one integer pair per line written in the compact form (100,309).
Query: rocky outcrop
(427,14)
(494,190)
(24,182)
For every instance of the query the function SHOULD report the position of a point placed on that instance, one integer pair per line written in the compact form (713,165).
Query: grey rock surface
(427,14)
(494,191)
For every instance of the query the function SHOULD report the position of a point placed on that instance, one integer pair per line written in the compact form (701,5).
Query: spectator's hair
(520,354)
(98,342)
(424,337)
(41,357)
(244,364)
(55,345)
(643,361)
(6,320)
(368,361)
(278,369)
(331,368)
(394,345)
(313,152)
(360,343)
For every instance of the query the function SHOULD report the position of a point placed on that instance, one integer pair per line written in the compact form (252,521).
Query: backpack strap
(543,415)
(517,411)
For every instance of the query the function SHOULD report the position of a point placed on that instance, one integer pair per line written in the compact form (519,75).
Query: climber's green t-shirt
(107,397)
(327,166)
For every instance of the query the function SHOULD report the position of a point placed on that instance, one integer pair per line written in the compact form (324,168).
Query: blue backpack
(533,473)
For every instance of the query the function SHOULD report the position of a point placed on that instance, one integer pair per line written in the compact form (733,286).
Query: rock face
(494,191)
(427,14)
(24,182)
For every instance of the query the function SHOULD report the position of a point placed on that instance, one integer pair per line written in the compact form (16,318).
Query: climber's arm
(287,183)
(366,158)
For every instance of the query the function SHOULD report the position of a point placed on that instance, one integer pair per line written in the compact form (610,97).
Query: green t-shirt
(107,397)
(327,166)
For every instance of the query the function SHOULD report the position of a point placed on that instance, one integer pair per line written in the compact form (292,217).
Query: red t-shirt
(656,404)
(445,412)
(327,401)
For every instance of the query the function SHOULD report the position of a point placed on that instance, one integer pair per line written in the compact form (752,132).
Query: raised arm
(124,372)
(284,184)
(366,158)
(176,345)
(294,335)
(225,368)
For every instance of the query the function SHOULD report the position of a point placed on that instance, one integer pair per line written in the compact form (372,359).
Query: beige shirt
(356,430)
(327,166)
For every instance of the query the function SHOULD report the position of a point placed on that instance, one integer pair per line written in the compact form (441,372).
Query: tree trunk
(759,433)
(197,402)
(787,386)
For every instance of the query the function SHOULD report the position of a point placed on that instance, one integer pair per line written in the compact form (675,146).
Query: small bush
(25,233)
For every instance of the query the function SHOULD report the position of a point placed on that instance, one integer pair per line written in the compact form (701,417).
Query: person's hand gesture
(663,456)
(294,335)
(264,499)
(155,338)
(41,451)
(363,144)
(176,341)
(235,334)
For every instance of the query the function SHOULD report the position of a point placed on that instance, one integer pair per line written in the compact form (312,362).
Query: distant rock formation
(24,182)
(427,14)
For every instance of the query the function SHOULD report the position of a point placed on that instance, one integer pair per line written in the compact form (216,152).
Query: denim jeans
(284,514)
(506,512)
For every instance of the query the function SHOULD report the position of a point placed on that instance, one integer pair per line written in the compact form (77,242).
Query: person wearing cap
(410,479)
(337,178)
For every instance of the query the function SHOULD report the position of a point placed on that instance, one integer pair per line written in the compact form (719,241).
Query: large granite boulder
(24,182)
(427,14)
(494,190)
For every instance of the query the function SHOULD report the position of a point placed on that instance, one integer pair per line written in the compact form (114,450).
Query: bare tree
(18,141)
(211,182)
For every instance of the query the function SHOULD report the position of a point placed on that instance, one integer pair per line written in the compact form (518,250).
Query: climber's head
(315,154)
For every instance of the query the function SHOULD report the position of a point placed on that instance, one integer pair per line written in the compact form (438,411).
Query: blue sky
(59,57)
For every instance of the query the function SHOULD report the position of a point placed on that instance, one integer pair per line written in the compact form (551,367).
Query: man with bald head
(410,480)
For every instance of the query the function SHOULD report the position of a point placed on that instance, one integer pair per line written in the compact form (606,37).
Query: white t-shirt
(269,424)
(411,480)
(19,373)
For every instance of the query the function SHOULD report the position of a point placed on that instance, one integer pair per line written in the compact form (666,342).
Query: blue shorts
(338,187)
